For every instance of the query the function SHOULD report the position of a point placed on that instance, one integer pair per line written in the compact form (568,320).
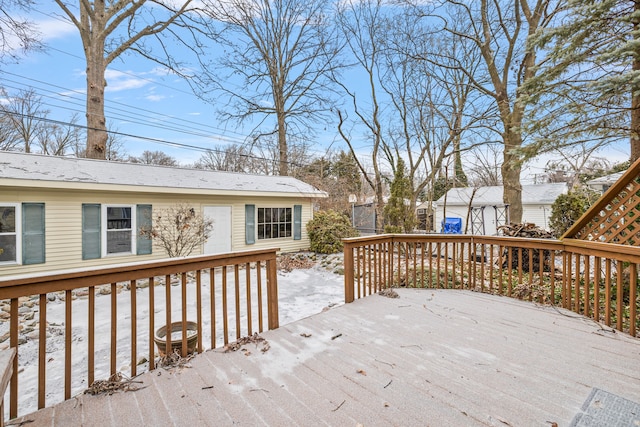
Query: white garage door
(220,239)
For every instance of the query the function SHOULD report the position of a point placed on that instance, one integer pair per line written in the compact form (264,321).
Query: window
(274,223)
(22,233)
(118,230)
(114,229)
(9,232)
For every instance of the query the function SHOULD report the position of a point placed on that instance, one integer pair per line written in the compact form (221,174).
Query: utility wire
(148,138)
(223,138)
(129,115)
(133,110)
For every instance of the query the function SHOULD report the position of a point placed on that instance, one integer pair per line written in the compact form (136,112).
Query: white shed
(488,210)
(603,183)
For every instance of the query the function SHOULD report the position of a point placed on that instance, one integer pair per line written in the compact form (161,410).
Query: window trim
(17,232)
(103,229)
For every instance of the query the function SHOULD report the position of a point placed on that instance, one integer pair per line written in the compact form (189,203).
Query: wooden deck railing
(223,294)
(598,280)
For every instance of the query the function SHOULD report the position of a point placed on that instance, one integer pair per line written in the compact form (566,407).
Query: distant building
(482,210)
(62,213)
(603,183)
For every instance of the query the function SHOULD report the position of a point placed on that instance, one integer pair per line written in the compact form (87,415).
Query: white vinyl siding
(64,223)
(535,214)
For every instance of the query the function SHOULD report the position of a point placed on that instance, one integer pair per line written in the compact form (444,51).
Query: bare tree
(283,50)
(338,175)
(485,170)
(575,162)
(230,158)
(9,140)
(154,158)
(107,30)
(430,101)
(499,30)
(434,104)
(56,139)
(360,25)
(178,229)
(24,114)
(16,33)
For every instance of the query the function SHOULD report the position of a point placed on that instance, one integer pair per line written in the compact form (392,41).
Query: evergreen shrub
(326,231)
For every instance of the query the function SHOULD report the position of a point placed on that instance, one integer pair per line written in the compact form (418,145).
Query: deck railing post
(7,358)
(348,273)
(272,293)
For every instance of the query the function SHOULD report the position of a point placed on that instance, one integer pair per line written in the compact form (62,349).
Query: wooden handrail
(575,274)
(31,284)
(260,270)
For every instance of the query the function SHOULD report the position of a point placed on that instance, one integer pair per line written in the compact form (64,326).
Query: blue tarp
(452,225)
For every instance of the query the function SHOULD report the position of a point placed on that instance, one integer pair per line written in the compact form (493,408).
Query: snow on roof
(57,169)
(607,179)
(538,194)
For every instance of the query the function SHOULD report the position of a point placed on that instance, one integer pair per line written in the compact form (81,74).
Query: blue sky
(141,98)
(144,100)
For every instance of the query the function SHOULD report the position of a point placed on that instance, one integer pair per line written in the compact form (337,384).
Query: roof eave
(94,186)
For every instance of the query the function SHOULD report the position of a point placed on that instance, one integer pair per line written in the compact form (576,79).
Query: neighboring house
(488,210)
(61,213)
(603,183)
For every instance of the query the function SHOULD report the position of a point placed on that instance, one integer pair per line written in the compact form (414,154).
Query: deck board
(428,358)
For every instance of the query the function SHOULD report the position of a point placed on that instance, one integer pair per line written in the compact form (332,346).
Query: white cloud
(119,81)
(51,29)
(154,97)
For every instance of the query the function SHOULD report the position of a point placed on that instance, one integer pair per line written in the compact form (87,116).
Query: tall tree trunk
(112,24)
(379,205)
(93,41)
(96,122)
(283,164)
(511,177)
(635,97)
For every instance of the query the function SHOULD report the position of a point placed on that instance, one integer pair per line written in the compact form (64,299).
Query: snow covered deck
(430,357)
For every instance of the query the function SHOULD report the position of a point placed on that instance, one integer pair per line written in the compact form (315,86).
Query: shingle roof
(490,196)
(20,166)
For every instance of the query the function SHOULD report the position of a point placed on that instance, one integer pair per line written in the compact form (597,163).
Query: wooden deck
(428,358)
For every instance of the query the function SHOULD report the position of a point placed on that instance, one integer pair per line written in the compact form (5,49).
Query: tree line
(434,79)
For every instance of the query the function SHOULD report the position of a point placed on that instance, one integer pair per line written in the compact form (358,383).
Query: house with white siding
(602,184)
(58,213)
(482,209)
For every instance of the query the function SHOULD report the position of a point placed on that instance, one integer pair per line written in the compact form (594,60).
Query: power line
(157,120)
(128,109)
(147,138)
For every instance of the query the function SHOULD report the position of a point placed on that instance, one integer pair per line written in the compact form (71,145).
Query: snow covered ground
(301,293)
